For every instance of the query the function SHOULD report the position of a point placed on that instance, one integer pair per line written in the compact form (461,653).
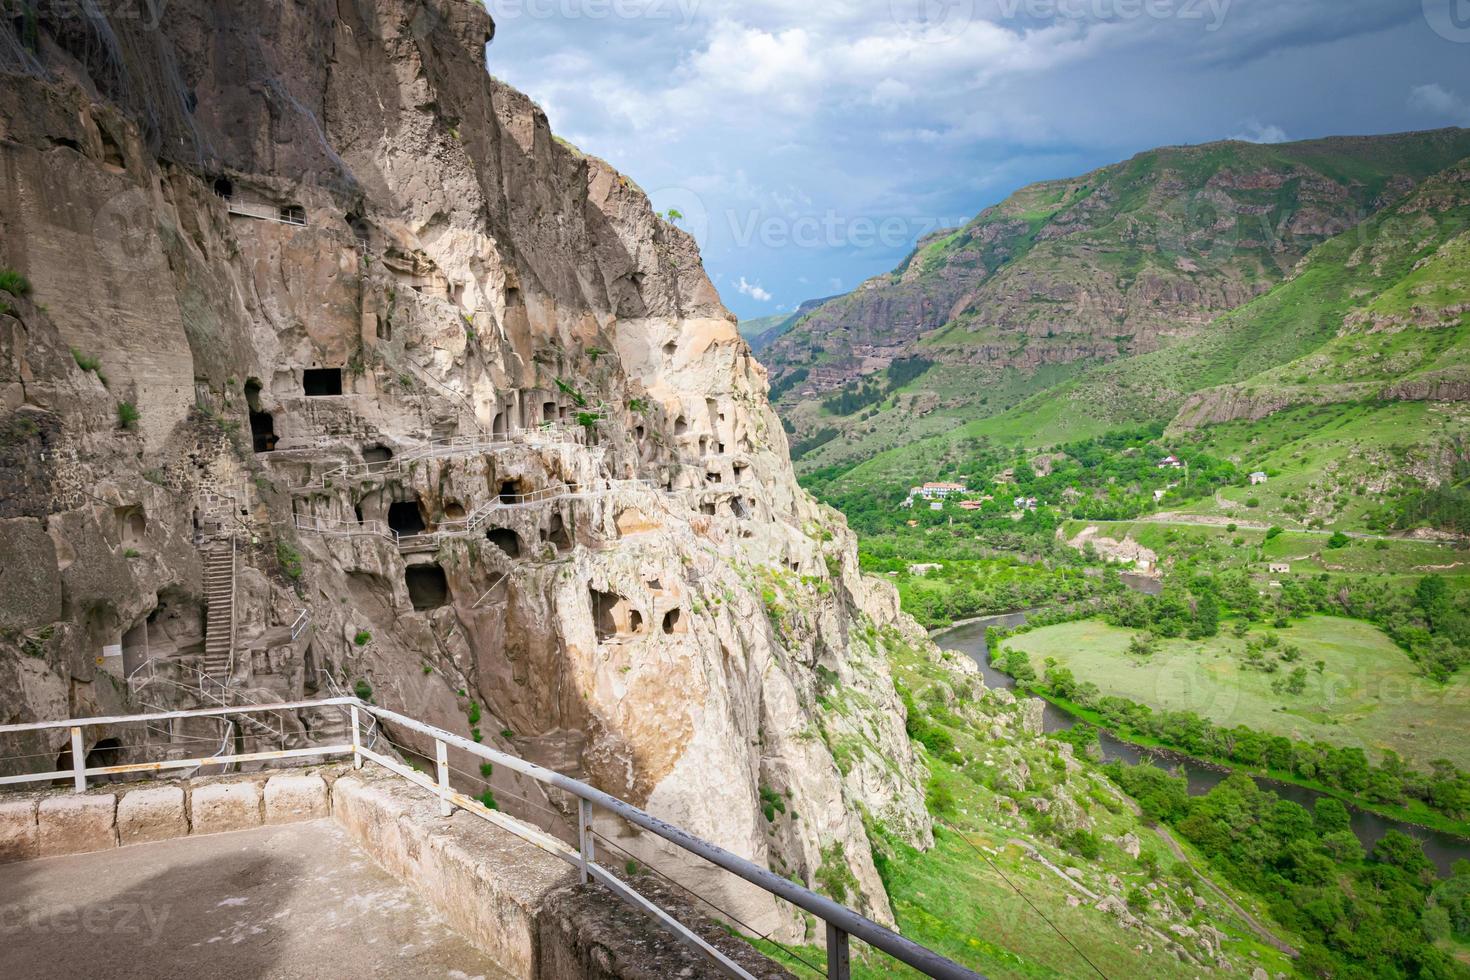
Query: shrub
(1338,540)
(14,283)
(87,362)
(1253,502)
(1274,532)
(127,415)
(507,734)
(486,768)
(474,713)
(487,799)
(289,559)
(363,690)
(363,638)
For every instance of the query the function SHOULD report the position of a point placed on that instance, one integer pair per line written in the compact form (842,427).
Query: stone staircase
(219,593)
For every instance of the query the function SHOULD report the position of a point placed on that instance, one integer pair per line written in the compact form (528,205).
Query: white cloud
(1257,132)
(753,290)
(1436,100)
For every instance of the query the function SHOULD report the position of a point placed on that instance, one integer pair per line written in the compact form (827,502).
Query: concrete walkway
(289,902)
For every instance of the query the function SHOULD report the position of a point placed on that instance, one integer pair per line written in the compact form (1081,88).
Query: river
(1441,848)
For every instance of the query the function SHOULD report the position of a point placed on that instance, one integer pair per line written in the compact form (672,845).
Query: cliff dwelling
(428,589)
(321,382)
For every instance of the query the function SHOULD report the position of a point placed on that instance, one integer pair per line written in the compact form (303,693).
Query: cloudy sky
(809,143)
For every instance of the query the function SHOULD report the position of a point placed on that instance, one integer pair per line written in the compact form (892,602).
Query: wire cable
(698,897)
(996,868)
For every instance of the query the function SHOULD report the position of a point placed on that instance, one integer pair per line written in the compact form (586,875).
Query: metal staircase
(219,593)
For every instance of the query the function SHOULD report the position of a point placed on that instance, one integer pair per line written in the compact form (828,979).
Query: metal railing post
(838,967)
(356,739)
(442,751)
(78,761)
(587,846)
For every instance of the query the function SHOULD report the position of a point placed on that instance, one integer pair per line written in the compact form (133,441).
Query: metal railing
(472,524)
(841,922)
(453,446)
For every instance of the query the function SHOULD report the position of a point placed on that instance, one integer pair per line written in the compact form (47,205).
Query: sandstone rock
(19,835)
(77,824)
(289,799)
(1032,714)
(219,807)
(152,814)
(1073,901)
(1129,844)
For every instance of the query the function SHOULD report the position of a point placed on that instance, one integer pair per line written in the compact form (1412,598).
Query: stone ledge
(19,834)
(221,807)
(152,814)
(57,822)
(520,904)
(294,798)
(77,824)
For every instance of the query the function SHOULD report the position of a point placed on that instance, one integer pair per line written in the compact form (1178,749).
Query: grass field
(1368,694)
(961,898)
(1306,552)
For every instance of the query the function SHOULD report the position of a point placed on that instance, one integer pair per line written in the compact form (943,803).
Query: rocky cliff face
(305,285)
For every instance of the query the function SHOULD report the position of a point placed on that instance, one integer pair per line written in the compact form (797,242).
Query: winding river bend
(1441,848)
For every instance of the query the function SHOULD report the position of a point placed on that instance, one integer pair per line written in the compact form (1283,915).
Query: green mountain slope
(1138,259)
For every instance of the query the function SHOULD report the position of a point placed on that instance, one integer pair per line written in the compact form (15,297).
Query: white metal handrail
(551,434)
(301,624)
(339,527)
(841,921)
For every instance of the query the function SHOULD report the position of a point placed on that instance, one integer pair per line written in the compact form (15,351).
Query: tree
(1338,540)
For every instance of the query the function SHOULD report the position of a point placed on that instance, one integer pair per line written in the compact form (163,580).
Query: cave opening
(293,214)
(672,620)
(321,382)
(263,437)
(506,540)
(603,604)
(557,533)
(406,517)
(428,588)
(511,491)
(224,187)
(376,454)
(454,511)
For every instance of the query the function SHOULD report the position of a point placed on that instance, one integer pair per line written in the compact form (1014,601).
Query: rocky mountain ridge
(301,292)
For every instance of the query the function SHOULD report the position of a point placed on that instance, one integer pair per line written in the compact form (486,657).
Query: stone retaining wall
(521,905)
(40,825)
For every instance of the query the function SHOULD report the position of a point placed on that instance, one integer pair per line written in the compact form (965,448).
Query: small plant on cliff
(834,876)
(363,638)
(363,690)
(579,399)
(673,214)
(127,415)
(486,769)
(588,419)
(14,283)
(771,803)
(289,559)
(487,800)
(87,362)
(507,734)
(474,713)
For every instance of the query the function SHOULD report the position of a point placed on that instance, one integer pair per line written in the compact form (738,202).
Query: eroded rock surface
(308,287)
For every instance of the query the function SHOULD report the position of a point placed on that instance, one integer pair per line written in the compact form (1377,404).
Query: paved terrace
(276,902)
